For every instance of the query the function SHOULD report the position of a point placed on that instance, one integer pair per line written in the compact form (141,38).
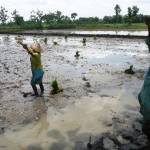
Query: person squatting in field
(36,66)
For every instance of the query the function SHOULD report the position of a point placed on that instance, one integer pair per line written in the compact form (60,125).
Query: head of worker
(35,47)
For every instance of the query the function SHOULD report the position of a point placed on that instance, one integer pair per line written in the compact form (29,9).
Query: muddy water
(92,32)
(67,120)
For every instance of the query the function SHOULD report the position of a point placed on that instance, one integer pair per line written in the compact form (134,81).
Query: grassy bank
(7,29)
(137,26)
(12,29)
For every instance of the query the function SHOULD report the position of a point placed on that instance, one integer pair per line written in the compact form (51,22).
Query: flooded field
(98,96)
(91,32)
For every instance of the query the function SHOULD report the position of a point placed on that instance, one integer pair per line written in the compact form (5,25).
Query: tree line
(132,16)
(55,19)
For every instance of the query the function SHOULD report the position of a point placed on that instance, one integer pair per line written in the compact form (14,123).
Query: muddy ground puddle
(98,97)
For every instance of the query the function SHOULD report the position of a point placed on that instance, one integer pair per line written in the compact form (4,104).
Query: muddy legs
(42,88)
(36,91)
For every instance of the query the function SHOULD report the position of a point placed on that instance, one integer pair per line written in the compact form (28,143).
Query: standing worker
(36,66)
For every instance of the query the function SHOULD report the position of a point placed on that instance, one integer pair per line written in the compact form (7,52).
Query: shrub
(55,87)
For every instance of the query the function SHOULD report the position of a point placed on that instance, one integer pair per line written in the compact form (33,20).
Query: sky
(84,8)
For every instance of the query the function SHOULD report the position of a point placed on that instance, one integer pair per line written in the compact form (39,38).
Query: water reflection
(92,32)
(65,129)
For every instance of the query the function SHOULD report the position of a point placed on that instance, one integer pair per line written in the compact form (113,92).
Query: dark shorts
(37,76)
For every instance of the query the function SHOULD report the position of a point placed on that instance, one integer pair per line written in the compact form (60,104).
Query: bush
(55,87)
(29,26)
(61,26)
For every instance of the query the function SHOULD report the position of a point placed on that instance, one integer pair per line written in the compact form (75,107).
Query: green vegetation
(77,55)
(137,26)
(56,20)
(55,87)
(8,29)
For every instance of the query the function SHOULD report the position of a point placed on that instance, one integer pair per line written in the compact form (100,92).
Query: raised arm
(23,45)
(30,51)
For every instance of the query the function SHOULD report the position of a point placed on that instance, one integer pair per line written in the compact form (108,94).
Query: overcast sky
(83,8)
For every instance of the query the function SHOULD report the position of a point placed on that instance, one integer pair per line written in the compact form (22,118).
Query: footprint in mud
(26,94)
(60,145)
(87,84)
(118,120)
(2,130)
(105,95)
(55,134)
(107,123)
(73,132)
(34,147)
(84,79)
(132,108)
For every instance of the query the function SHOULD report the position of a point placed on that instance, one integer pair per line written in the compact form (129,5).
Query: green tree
(133,15)
(55,18)
(17,18)
(49,18)
(84,20)
(129,15)
(66,20)
(117,12)
(107,19)
(74,15)
(135,11)
(59,17)
(3,15)
(36,16)
(129,12)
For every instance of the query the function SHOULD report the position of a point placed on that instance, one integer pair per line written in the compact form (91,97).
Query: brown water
(92,32)
(67,120)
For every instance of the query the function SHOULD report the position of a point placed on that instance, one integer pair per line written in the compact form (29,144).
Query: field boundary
(77,35)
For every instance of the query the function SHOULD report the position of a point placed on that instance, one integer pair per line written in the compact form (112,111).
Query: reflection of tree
(44,124)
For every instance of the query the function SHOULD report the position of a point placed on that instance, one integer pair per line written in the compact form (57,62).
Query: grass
(136,26)
(55,87)
(14,28)
(5,29)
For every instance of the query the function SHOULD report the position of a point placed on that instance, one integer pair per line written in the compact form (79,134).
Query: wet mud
(98,100)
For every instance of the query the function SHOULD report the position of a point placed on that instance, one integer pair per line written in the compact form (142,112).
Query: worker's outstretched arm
(29,50)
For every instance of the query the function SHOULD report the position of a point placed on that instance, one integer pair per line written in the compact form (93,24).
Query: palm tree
(74,15)
(117,11)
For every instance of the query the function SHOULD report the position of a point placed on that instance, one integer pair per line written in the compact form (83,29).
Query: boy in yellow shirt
(36,66)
